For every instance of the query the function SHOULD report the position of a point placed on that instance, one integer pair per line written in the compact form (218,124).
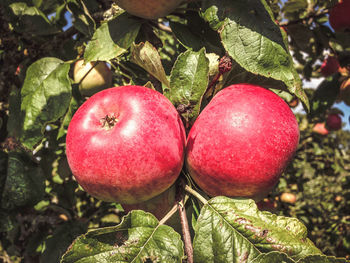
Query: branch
(195,194)
(185,231)
(180,197)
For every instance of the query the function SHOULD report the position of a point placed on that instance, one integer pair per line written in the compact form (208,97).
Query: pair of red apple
(128,144)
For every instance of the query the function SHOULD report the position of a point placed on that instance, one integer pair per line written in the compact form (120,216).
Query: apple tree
(58,56)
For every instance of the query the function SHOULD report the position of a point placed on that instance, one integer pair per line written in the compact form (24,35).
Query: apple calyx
(108,122)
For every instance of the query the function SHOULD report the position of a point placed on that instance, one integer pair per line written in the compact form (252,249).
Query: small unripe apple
(320,128)
(126,144)
(329,66)
(333,122)
(241,142)
(339,18)
(94,77)
(338,198)
(288,198)
(150,9)
(344,93)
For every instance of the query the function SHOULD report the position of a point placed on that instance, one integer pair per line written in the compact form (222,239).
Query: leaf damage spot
(244,257)
(120,239)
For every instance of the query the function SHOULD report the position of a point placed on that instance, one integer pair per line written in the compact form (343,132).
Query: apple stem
(108,122)
(196,194)
(185,231)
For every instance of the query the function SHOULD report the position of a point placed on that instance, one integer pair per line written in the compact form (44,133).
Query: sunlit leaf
(234,230)
(138,238)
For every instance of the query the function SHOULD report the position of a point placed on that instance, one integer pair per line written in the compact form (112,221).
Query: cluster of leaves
(43,209)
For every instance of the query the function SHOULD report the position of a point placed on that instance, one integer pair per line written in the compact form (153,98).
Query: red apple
(333,122)
(329,66)
(339,18)
(150,9)
(126,144)
(320,128)
(241,142)
(94,77)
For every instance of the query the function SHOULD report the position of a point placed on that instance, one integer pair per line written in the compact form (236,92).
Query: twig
(196,194)
(185,231)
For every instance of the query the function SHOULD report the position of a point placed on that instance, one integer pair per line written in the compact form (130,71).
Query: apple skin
(150,9)
(329,66)
(339,18)
(333,122)
(241,142)
(320,128)
(99,78)
(136,159)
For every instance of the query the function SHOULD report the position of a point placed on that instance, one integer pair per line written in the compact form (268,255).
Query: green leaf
(138,238)
(113,38)
(325,95)
(62,237)
(82,19)
(188,82)
(14,125)
(234,230)
(25,182)
(147,57)
(273,257)
(30,20)
(3,171)
(7,221)
(196,34)
(46,95)
(321,259)
(292,6)
(252,38)
(238,75)
(187,38)
(73,106)
(278,257)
